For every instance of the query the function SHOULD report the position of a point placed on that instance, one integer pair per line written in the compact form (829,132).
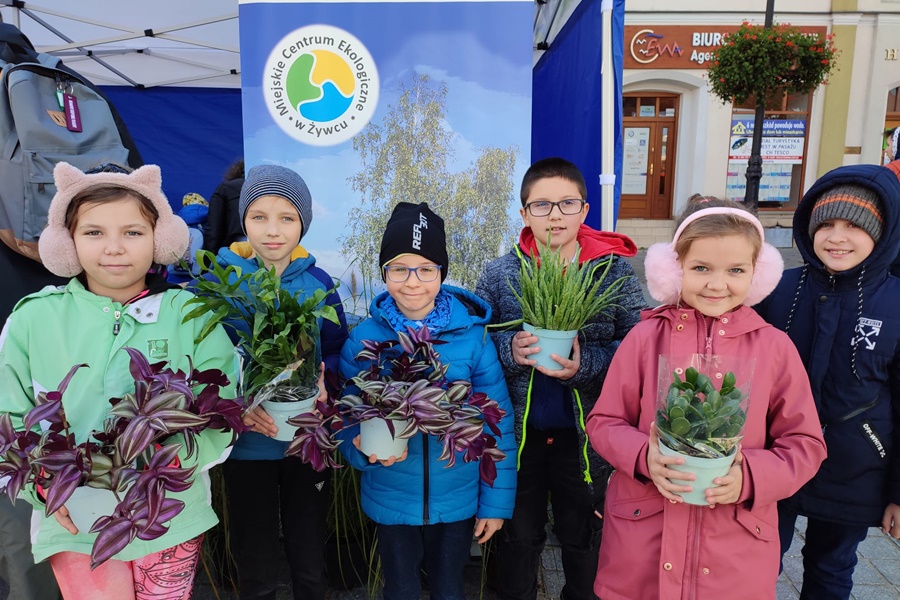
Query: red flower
(824,61)
(746,36)
(754,37)
(789,44)
(722,80)
(778,39)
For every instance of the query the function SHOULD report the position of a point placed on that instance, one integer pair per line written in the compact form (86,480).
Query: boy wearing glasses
(554,457)
(425,511)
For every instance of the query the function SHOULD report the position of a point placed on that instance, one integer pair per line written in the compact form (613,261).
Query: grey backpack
(48,114)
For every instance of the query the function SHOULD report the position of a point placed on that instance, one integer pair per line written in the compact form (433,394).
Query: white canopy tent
(190,43)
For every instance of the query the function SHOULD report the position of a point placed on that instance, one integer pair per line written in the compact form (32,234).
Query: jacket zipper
(117,325)
(709,337)
(852,414)
(425,478)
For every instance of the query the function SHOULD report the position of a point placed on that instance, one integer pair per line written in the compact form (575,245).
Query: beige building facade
(680,140)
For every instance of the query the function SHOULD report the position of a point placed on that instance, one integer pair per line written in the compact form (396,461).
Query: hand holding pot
(62,517)
(260,421)
(522,348)
(384,463)
(730,486)
(569,367)
(657,463)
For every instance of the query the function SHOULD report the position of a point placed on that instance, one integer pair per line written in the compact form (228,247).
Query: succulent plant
(699,420)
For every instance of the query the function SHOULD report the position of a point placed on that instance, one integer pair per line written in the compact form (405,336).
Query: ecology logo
(320,85)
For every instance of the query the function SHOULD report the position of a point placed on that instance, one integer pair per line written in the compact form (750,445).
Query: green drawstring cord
(584,449)
(524,421)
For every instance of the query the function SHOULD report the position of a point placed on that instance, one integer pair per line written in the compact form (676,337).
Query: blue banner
(375,103)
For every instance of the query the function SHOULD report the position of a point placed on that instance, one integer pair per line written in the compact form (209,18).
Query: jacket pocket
(637,509)
(756,525)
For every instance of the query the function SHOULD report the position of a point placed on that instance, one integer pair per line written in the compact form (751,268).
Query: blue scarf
(437,320)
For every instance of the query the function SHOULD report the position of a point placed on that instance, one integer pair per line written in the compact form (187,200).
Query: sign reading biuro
(379,102)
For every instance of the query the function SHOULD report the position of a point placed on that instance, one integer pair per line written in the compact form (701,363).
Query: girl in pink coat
(654,544)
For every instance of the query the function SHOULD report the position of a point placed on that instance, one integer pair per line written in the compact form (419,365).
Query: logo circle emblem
(320,85)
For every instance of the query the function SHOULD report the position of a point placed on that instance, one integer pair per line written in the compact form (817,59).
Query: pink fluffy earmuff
(664,273)
(56,246)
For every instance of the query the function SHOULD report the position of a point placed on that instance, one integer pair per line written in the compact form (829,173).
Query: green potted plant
(557,298)
(278,336)
(701,424)
(756,61)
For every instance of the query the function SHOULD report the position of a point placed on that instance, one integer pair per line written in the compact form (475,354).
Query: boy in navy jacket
(840,310)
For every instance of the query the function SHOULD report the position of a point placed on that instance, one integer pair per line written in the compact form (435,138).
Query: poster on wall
(635,160)
(375,103)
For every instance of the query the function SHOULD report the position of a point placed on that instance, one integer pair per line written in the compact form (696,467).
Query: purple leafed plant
(135,456)
(406,381)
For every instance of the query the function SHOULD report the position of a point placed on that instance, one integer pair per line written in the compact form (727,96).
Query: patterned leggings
(166,575)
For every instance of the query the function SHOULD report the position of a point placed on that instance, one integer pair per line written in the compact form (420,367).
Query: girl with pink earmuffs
(655,545)
(105,231)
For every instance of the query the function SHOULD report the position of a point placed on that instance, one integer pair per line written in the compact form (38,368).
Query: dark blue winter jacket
(302,277)
(421,490)
(846,327)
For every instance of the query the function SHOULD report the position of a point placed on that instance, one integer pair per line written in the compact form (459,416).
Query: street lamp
(754,164)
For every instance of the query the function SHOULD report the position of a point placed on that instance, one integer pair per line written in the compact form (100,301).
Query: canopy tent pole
(607,120)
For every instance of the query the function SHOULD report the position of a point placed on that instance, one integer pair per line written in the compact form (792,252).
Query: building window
(785,138)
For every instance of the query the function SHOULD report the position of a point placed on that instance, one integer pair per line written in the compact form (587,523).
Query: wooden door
(649,156)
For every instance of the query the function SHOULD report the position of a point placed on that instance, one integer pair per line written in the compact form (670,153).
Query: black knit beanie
(414,229)
(855,203)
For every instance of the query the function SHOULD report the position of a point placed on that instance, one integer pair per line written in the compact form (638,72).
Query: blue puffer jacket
(301,276)
(846,327)
(421,490)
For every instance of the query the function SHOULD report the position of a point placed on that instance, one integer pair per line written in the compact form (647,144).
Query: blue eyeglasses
(399,274)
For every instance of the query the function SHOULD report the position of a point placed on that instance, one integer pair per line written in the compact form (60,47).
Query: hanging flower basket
(755,62)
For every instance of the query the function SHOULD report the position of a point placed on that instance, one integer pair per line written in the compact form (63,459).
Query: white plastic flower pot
(282,411)
(375,438)
(88,504)
(706,470)
(551,342)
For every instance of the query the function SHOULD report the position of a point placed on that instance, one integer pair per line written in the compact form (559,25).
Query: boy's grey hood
(877,178)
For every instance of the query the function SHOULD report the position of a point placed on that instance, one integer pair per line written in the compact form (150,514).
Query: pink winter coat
(653,548)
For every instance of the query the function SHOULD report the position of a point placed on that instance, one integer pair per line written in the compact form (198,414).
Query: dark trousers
(443,549)
(550,465)
(27,581)
(265,496)
(829,554)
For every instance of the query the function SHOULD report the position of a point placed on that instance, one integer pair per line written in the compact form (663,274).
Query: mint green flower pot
(551,342)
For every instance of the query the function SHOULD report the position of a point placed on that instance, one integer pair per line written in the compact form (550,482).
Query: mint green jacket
(50,331)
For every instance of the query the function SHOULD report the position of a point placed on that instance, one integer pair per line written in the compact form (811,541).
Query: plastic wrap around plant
(702,403)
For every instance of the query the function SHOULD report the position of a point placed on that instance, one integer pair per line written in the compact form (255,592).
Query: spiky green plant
(560,295)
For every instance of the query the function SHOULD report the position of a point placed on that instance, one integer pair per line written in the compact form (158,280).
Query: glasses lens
(540,209)
(570,207)
(397,274)
(427,274)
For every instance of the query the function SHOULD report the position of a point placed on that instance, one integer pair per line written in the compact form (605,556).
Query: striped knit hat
(859,205)
(275,180)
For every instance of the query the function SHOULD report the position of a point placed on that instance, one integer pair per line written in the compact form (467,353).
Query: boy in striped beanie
(845,224)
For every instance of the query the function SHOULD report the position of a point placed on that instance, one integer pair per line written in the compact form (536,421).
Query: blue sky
(482,50)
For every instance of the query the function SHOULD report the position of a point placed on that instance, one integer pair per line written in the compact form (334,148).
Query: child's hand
(384,463)
(890,522)
(730,486)
(522,348)
(62,517)
(569,367)
(660,473)
(261,422)
(486,528)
